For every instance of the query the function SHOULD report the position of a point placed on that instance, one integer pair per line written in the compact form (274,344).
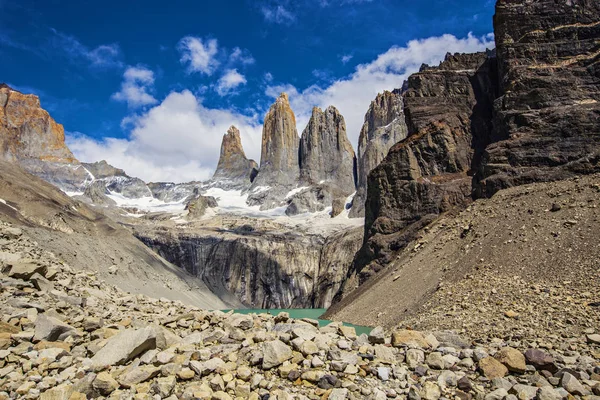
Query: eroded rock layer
(263,267)
(546,120)
(384,126)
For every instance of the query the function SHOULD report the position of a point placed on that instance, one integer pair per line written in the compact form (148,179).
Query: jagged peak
(233,131)
(283,98)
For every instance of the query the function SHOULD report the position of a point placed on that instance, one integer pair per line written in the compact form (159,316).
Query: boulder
(512,359)
(125,346)
(51,329)
(492,368)
(275,353)
(26,269)
(404,338)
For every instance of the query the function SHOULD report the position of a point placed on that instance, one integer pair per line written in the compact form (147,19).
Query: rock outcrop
(260,265)
(279,168)
(103,170)
(448,109)
(546,121)
(234,169)
(30,137)
(384,126)
(198,205)
(477,124)
(326,154)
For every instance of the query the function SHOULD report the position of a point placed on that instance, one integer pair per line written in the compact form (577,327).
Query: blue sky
(152,86)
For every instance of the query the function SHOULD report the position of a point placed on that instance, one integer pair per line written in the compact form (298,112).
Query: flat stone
(595,338)
(138,375)
(50,329)
(524,392)
(572,385)
(540,360)
(338,394)
(406,338)
(25,270)
(125,346)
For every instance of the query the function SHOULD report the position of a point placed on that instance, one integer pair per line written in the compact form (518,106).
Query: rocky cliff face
(233,167)
(261,266)
(479,124)
(384,126)
(448,109)
(30,137)
(326,154)
(279,168)
(546,121)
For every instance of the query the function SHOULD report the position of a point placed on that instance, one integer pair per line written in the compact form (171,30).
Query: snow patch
(295,191)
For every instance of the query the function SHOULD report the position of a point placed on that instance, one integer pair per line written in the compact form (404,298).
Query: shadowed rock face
(30,137)
(233,165)
(384,126)
(279,169)
(428,173)
(326,154)
(546,121)
(262,268)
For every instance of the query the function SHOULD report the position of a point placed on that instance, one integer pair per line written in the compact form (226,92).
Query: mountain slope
(514,239)
(86,239)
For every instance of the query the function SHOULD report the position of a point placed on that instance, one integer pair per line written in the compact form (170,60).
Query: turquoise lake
(297,313)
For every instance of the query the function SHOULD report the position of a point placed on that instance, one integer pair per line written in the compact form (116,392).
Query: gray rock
(50,329)
(497,394)
(198,205)
(548,393)
(125,346)
(377,335)
(275,353)
(524,392)
(25,270)
(572,385)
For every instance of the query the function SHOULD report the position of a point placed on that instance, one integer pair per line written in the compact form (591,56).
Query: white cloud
(199,55)
(278,14)
(137,81)
(229,81)
(346,58)
(241,56)
(178,140)
(353,94)
(103,56)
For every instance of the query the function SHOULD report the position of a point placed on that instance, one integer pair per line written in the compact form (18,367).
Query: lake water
(298,313)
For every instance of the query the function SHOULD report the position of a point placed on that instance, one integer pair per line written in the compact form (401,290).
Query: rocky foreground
(65,334)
